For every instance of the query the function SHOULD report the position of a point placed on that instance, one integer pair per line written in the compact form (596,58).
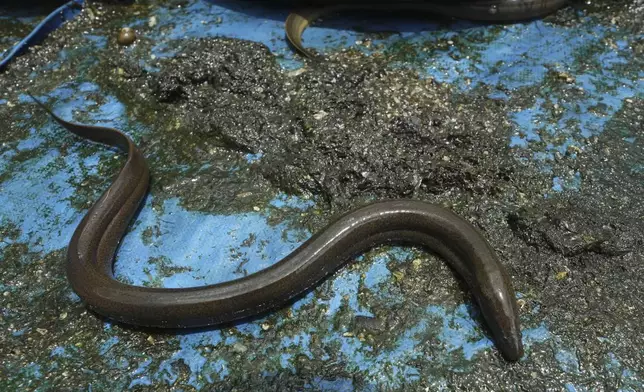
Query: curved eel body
(94,243)
(477,10)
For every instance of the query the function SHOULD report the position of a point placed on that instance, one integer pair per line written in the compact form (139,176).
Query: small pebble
(320,115)
(239,348)
(126,36)
(296,72)
(399,275)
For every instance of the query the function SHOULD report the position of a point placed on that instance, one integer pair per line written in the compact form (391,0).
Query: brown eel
(93,246)
(476,10)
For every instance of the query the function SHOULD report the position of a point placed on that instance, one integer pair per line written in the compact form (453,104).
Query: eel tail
(297,21)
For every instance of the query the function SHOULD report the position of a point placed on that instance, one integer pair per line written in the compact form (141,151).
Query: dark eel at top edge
(95,241)
(476,10)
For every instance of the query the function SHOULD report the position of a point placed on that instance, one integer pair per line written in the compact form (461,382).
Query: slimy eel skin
(477,10)
(93,246)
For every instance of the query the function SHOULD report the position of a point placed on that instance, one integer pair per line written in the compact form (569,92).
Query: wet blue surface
(203,249)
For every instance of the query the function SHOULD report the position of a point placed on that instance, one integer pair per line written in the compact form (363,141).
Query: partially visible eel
(95,241)
(478,10)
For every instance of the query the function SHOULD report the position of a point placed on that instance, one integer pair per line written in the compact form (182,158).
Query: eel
(476,10)
(92,248)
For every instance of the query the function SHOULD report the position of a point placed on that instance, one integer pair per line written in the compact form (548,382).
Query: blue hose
(54,20)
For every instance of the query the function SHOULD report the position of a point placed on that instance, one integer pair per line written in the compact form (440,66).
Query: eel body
(94,243)
(476,10)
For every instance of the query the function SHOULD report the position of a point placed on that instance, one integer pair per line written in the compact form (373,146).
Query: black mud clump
(581,252)
(572,230)
(341,131)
